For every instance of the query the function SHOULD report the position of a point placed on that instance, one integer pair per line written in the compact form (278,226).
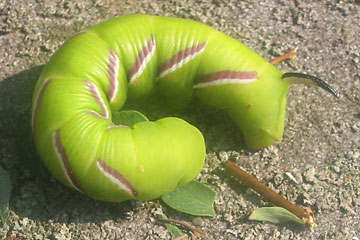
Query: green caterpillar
(92,75)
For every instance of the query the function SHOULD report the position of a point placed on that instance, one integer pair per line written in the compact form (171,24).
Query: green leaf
(128,118)
(174,230)
(194,198)
(276,215)
(5,190)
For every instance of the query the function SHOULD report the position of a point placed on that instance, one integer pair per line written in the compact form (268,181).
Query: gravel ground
(320,149)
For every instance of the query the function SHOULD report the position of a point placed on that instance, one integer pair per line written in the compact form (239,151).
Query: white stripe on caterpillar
(115,177)
(37,102)
(142,59)
(96,114)
(64,161)
(113,70)
(226,77)
(181,58)
(96,94)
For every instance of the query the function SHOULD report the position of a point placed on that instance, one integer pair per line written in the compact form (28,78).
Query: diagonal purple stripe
(113,69)
(181,56)
(62,155)
(227,74)
(143,55)
(96,94)
(115,175)
(38,101)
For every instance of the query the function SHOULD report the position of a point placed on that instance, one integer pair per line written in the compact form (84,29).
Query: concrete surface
(320,149)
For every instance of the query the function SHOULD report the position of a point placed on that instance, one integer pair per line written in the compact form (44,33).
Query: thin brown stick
(182,237)
(195,230)
(290,54)
(268,194)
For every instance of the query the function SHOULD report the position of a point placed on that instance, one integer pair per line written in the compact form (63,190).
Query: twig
(182,237)
(290,54)
(195,230)
(269,195)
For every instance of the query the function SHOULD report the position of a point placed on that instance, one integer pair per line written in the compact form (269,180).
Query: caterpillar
(128,58)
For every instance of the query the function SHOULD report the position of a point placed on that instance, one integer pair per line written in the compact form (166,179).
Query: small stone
(278,179)
(310,175)
(198,221)
(291,177)
(224,156)
(356,127)
(335,169)
(39,237)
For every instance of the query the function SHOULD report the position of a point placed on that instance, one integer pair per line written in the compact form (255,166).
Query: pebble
(309,175)
(198,221)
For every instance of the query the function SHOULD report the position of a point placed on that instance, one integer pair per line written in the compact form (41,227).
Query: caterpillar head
(262,118)
(257,103)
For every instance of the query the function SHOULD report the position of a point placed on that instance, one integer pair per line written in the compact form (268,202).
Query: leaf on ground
(174,230)
(128,118)
(194,198)
(5,190)
(276,215)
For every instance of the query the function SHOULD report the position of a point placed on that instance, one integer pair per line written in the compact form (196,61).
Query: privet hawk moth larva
(92,75)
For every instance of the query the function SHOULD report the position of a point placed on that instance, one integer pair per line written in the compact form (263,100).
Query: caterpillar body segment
(127,58)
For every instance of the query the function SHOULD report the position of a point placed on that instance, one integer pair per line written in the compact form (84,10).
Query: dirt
(316,165)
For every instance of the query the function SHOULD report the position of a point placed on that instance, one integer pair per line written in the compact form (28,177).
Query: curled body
(127,58)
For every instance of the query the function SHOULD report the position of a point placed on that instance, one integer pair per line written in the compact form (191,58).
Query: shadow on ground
(36,194)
